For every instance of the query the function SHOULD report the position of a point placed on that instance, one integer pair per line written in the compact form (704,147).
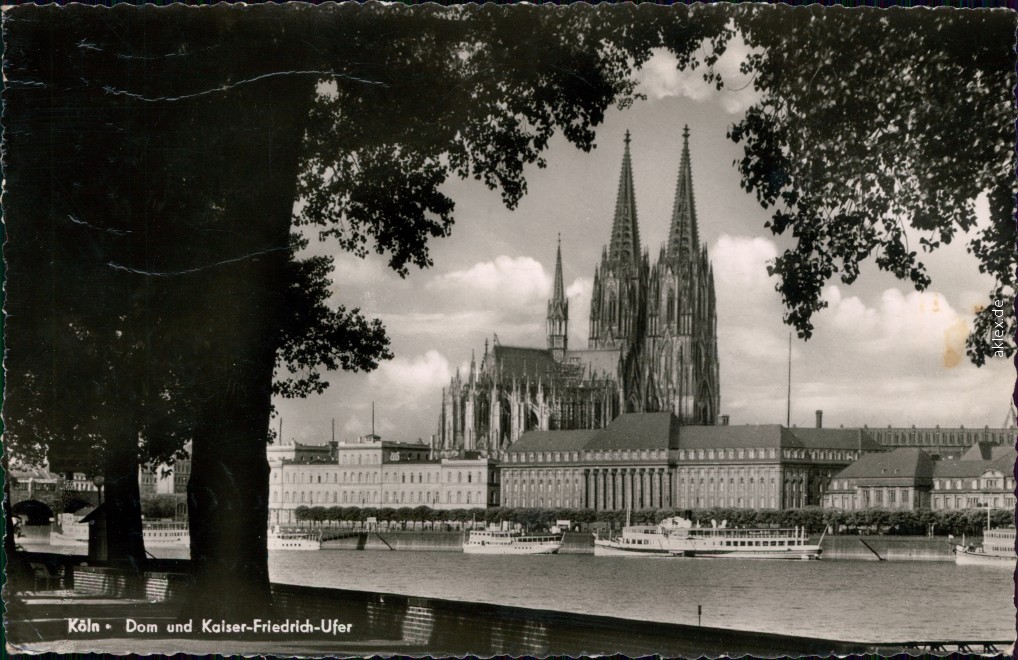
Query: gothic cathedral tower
(681,358)
(618,299)
(558,313)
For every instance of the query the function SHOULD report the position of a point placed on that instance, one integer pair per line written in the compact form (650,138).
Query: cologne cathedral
(652,343)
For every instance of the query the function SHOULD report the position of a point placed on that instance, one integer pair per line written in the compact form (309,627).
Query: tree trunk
(228,491)
(122,503)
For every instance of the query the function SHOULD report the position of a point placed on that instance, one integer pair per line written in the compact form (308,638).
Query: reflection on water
(850,600)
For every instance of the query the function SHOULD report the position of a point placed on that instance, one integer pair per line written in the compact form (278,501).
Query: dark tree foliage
(154,157)
(178,141)
(876,131)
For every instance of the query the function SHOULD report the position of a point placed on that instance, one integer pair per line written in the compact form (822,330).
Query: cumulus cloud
(408,378)
(740,263)
(516,281)
(661,78)
(913,326)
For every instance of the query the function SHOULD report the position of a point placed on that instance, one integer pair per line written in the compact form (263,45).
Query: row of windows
(974,484)
(700,500)
(372,477)
(565,456)
(389,497)
(938,437)
(962,502)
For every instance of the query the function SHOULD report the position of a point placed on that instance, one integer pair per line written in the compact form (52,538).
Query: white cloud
(408,378)
(740,264)
(515,281)
(660,78)
(916,328)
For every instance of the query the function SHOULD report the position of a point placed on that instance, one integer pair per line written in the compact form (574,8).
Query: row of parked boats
(673,537)
(680,537)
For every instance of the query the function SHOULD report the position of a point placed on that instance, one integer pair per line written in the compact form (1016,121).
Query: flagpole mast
(788,409)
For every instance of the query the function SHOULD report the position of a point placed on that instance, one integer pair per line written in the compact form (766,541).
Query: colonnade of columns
(628,488)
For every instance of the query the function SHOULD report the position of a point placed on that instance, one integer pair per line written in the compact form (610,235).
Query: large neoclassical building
(651,460)
(652,342)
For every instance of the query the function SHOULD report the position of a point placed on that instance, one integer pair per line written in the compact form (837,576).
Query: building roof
(968,468)
(760,435)
(822,438)
(902,466)
(520,362)
(987,451)
(639,431)
(553,441)
(661,430)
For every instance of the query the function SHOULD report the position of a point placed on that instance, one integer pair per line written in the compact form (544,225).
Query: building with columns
(652,341)
(651,460)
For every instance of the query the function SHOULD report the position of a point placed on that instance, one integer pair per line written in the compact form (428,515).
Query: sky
(881,353)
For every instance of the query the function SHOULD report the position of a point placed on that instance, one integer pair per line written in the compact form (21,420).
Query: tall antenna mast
(372,418)
(281,431)
(333,429)
(788,409)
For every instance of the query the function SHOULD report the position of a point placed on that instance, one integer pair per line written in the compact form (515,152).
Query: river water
(864,601)
(848,600)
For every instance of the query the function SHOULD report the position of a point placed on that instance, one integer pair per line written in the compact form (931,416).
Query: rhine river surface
(849,600)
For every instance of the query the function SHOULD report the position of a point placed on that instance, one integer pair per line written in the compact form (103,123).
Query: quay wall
(438,626)
(889,548)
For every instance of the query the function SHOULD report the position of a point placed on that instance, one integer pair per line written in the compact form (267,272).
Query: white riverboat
(679,537)
(279,540)
(506,542)
(165,534)
(635,541)
(997,550)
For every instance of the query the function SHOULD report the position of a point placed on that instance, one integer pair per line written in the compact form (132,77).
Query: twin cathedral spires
(652,342)
(662,318)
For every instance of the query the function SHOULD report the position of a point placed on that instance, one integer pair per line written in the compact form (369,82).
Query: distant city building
(376,473)
(651,460)
(300,452)
(899,479)
(983,476)
(909,478)
(652,342)
(947,442)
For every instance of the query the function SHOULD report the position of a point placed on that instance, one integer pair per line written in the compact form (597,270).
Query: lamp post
(98,481)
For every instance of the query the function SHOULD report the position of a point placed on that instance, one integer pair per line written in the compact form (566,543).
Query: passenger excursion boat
(997,550)
(635,541)
(679,537)
(171,533)
(279,540)
(505,542)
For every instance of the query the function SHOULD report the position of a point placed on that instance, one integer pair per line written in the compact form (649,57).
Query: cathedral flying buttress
(652,342)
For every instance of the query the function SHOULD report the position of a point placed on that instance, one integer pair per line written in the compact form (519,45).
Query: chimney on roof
(820,419)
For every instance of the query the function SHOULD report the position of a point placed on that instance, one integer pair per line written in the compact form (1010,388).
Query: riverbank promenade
(96,609)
